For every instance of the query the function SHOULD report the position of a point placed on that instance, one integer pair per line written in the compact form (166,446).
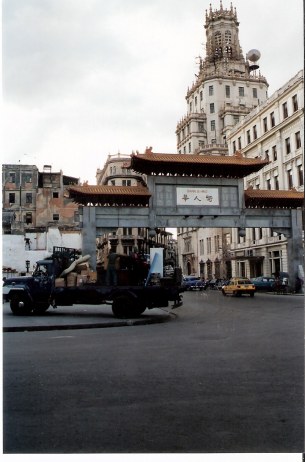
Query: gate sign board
(197,196)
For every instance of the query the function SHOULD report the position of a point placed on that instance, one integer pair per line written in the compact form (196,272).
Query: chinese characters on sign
(197,196)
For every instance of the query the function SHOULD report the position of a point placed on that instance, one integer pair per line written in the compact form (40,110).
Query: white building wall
(15,251)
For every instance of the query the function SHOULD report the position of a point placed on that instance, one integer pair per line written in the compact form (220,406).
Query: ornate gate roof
(207,166)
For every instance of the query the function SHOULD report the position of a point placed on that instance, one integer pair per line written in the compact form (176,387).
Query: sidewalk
(78,317)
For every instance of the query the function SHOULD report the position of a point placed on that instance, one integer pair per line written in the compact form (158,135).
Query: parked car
(193,283)
(238,287)
(263,282)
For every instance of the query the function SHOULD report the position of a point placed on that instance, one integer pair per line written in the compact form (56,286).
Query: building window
(276,182)
(290,179)
(216,243)
(228,91)
(184,150)
(287,145)
(234,146)
(272,119)
(201,96)
(195,100)
(236,119)
(187,245)
(285,110)
(268,181)
(55,195)
(228,36)
(274,153)
(12,198)
(211,90)
(190,147)
(298,142)
(201,246)
(213,125)
(126,182)
(254,92)
(28,198)
(254,132)
(12,177)
(200,127)
(127,231)
(112,182)
(267,155)
(239,142)
(209,245)
(300,175)
(265,124)
(295,103)
(27,177)
(55,216)
(241,91)
(191,107)
(248,136)
(28,218)
(212,108)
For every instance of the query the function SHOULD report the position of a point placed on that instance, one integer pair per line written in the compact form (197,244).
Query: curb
(94,325)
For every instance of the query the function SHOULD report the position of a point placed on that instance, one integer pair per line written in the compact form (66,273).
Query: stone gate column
(295,250)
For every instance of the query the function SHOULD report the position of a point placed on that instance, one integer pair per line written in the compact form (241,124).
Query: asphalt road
(223,375)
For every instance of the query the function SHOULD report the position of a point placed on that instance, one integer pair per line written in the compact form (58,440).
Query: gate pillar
(295,250)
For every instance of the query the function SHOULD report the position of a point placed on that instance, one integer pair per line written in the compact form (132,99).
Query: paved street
(221,375)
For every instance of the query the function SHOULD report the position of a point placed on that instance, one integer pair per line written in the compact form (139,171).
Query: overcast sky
(86,78)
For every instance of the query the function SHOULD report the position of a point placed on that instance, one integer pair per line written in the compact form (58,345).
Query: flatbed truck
(132,295)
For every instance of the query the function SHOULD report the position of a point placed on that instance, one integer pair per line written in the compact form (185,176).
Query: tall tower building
(227,87)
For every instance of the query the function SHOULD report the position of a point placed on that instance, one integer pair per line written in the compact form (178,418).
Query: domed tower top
(222,39)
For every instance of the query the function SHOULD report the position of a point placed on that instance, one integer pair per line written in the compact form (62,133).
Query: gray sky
(86,78)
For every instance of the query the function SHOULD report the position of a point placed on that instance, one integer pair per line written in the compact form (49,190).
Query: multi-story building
(36,214)
(228,111)
(227,88)
(116,172)
(273,131)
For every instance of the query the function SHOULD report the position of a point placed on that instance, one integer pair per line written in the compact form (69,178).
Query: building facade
(227,87)
(273,131)
(117,172)
(228,110)
(37,214)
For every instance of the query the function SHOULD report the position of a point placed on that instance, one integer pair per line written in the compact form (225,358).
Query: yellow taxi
(238,287)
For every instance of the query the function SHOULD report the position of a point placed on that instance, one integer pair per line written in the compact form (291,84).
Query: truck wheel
(20,305)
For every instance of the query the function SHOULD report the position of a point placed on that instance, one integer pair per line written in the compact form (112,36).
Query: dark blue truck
(129,298)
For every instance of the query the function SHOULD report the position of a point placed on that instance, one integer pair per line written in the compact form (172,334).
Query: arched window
(228,37)
(217,39)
